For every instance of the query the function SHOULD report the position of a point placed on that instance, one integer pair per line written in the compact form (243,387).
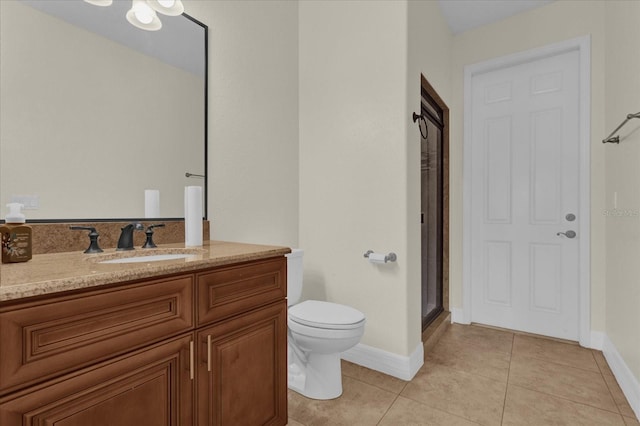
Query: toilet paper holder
(391,257)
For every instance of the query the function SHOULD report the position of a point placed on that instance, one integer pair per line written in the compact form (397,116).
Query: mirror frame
(206,152)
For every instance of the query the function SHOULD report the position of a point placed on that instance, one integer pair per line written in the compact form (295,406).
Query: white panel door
(524,183)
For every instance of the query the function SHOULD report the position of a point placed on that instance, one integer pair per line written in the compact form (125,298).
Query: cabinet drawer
(232,290)
(44,339)
(148,387)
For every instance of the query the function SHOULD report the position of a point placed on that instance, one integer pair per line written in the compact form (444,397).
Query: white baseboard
(627,381)
(458,317)
(597,340)
(402,367)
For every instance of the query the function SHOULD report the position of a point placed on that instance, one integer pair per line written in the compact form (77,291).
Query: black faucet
(93,238)
(149,232)
(125,242)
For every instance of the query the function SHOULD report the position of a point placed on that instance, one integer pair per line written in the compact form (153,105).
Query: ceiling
(179,43)
(463,15)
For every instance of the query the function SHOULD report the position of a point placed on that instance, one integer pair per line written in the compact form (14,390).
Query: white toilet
(318,333)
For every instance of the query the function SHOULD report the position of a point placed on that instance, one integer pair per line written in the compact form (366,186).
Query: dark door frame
(427,88)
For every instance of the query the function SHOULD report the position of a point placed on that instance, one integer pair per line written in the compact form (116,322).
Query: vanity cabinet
(59,334)
(201,348)
(242,370)
(148,387)
(242,360)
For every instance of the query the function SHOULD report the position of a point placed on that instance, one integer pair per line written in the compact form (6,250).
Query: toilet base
(320,377)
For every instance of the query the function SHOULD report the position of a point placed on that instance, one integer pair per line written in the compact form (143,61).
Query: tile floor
(479,376)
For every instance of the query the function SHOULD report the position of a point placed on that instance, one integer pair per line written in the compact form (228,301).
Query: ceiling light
(167,7)
(143,16)
(143,12)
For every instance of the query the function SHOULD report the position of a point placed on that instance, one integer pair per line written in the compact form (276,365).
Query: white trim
(402,367)
(597,340)
(627,381)
(457,316)
(583,45)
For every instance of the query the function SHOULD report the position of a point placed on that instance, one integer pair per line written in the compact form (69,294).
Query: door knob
(568,234)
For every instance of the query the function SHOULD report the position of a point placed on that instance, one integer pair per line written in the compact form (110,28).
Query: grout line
(374,385)
(442,410)
(604,371)
(611,393)
(607,385)
(567,398)
(554,362)
(506,388)
(388,408)
(564,398)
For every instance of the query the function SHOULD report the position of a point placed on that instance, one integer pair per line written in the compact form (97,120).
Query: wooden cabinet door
(242,369)
(150,387)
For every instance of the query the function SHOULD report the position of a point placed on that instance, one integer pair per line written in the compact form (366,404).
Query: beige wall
(253,119)
(353,141)
(74,121)
(622,89)
(553,23)
(360,65)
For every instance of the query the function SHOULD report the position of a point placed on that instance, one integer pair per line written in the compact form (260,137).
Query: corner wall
(253,119)
(622,88)
(429,42)
(360,66)
(353,58)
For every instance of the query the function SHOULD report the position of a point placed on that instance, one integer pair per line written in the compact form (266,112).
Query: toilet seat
(319,314)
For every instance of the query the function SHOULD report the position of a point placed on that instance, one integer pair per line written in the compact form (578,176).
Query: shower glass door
(432,208)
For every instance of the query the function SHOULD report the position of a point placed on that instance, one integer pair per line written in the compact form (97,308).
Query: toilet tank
(294,276)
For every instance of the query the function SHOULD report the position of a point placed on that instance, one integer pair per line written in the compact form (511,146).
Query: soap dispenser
(16,236)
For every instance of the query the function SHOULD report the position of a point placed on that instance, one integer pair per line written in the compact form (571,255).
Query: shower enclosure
(432,191)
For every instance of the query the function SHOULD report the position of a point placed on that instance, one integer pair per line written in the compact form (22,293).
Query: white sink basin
(152,258)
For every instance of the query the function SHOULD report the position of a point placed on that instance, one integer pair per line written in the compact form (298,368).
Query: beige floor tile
(463,382)
(473,397)
(480,337)
(469,358)
(575,384)
(359,404)
(372,377)
(410,413)
(554,351)
(618,396)
(527,407)
(631,421)
(602,362)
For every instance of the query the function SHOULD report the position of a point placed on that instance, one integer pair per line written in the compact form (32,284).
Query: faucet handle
(149,232)
(93,238)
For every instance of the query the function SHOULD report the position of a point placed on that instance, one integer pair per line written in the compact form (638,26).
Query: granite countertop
(56,272)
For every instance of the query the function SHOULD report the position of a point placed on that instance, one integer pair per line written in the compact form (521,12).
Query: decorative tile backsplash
(57,237)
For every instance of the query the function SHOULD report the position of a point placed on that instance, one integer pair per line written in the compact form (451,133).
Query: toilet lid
(315,313)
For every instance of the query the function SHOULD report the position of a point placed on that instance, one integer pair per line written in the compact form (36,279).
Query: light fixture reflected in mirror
(141,15)
(143,12)
(100,2)
(167,7)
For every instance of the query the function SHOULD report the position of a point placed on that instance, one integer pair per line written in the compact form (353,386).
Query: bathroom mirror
(94,111)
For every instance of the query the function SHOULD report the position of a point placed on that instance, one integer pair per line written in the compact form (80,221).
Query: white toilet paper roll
(377,258)
(151,203)
(192,216)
